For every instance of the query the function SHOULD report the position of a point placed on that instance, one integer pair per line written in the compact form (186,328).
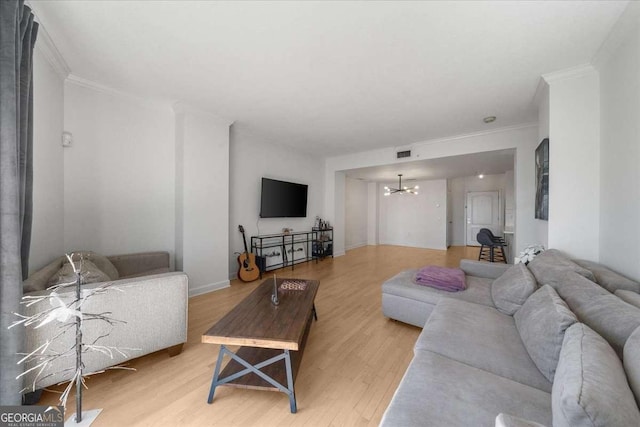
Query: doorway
(483,211)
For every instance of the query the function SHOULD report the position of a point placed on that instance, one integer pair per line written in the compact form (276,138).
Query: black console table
(280,250)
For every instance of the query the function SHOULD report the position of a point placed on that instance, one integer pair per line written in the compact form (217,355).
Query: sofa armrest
(137,264)
(506,420)
(487,270)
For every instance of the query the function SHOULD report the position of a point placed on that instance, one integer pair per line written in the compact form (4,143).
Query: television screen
(282,199)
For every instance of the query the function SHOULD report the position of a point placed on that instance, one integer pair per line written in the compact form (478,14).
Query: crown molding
(45,44)
(476,134)
(153,103)
(569,73)
(181,107)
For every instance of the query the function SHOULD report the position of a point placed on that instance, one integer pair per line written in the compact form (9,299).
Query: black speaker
(261,262)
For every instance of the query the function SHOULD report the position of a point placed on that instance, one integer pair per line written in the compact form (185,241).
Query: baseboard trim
(339,253)
(357,245)
(210,287)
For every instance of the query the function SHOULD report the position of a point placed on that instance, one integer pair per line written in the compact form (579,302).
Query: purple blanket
(446,279)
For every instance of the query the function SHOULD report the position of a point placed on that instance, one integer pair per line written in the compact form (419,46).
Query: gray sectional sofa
(542,345)
(146,300)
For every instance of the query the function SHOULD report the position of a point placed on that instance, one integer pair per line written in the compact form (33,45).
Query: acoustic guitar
(248,271)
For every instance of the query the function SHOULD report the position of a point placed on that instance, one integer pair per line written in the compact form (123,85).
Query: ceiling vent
(403,154)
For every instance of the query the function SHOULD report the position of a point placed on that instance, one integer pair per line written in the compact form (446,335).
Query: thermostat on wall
(67,139)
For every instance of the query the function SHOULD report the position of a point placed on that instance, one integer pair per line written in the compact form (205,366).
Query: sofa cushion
(607,278)
(512,289)
(89,273)
(609,316)
(438,391)
(590,388)
(506,420)
(541,323)
(478,289)
(482,337)
(631,361)
(550,265)
(576,289)
(629,297)
(132,264)
(487,270)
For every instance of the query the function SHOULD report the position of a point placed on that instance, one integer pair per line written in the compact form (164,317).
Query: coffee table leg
(292,393)
(216,373)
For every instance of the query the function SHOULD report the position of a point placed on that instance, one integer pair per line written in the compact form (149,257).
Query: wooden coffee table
(272,337)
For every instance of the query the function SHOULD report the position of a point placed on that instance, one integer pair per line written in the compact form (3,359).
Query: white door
(483,211)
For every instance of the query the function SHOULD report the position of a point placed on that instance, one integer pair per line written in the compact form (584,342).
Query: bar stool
(490,250)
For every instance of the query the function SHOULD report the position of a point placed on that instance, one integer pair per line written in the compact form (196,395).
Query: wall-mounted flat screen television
(281,199)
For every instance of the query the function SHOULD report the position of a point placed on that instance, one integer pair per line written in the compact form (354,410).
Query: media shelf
(280,250)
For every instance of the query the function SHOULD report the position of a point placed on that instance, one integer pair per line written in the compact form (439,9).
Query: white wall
(620,150)
(523,139)
(373,198)
(415,220)
(356,213)
(47,234)
(574,163)
(119,173)
(459,188)
(509,200)
(202,205)
(251,158)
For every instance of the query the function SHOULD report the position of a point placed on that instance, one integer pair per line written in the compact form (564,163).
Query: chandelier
(400,190)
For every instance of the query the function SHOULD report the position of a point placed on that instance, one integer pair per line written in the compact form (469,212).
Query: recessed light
(489,119)
(480,176)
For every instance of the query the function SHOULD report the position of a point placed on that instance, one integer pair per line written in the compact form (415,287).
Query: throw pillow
(38,281)
(608,279)
(631,362)
(541,323)
(89,273)
(591,388)
(101,261)
(549,267)
(512,289)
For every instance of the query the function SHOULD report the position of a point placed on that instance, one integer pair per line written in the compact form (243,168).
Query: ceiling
(487,163)
(333,77)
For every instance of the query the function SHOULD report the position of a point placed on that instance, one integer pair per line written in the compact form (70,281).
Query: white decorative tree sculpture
(70,314)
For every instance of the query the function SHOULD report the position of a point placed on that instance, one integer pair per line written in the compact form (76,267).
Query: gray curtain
(17,38)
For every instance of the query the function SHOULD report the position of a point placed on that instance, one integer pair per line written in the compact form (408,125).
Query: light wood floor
(353,362)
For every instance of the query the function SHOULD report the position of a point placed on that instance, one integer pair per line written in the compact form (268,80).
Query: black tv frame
(288,211)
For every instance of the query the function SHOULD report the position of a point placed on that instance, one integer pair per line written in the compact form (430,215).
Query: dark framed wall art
(542,180)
